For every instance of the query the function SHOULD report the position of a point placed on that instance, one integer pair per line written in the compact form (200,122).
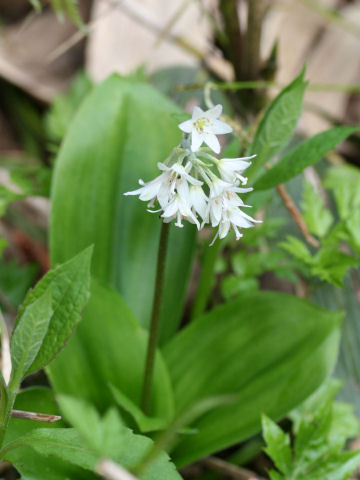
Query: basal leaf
(270,349)
(69,288)
(307,153)
(119,134)
(278,124)
(28,337)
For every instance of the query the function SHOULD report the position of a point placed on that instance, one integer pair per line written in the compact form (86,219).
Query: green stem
(206,279)
(6,406)
(155,318)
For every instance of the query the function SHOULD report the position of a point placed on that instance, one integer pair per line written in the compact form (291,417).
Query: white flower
(180,208)
(164,187)
(223,211)
(204,126)
(232,168)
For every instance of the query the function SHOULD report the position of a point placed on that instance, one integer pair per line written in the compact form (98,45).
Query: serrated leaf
(105,436)
(310,442)
(28,337)
(296,344)
(336,467)
(344,181)
(297,248)
(331,265)
(29,463)
(317,217)
(69,287)
(277,124)
(277,444)
(307,153)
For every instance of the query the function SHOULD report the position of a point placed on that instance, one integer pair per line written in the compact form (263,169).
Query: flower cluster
(196,186)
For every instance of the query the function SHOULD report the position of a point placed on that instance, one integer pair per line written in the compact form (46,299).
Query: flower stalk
(155,318)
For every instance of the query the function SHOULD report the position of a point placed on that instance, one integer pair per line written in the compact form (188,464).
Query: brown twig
(229,469)
(37,417)
(296,215)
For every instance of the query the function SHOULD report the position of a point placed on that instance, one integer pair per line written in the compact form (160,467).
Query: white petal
(186,126)
(211,140)
(196,140)
(214,112)
(215,212)
(149,191)
(197,113)
(171,209)
(220,127)
(182,188)
(198,200)
(163,167)
(242,190)
(218,187)
(238,218)
(224,228)
(192,180)
(213,240)
(164,195)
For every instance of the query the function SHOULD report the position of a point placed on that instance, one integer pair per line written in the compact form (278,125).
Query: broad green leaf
(118,135)
(278,124)
(29,463)
(109,348)
(69,287)
(28,337)
(317,217)
(277,444)
(307,153)
(271,349)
